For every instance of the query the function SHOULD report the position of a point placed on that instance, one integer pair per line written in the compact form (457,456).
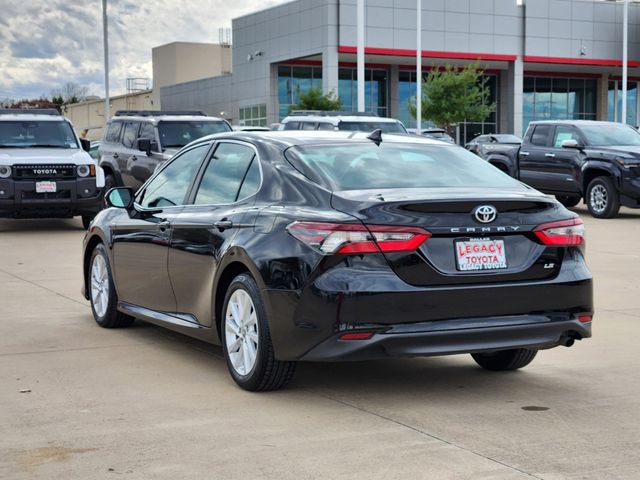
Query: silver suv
(136,142)
(349,121)
(45,170)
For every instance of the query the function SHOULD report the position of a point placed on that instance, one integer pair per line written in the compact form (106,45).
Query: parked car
(437,133)
(333,121)
(249,128)
(309,246)
(136,142)
(578,159)
(494,142)
(45,170)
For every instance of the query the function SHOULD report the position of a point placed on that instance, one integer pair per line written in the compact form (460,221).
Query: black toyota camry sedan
(330,246)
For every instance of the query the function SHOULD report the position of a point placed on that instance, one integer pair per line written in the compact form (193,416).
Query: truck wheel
(568,201)
(602,199)
(109,182)
(505,359)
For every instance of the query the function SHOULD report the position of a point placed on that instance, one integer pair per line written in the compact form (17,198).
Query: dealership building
(545,59)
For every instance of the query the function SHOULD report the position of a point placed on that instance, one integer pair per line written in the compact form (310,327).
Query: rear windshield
(179,134)
(393,165)
(36,134)
(386,127)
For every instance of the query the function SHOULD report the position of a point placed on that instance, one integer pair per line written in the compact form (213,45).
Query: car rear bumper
(454,337)
(18,199)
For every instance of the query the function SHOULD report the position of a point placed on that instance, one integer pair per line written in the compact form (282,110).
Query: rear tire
(246,340)
(505,359)
(602,199)
(568,201)
(102,292)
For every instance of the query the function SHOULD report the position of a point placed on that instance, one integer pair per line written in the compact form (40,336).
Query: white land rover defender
(45,170)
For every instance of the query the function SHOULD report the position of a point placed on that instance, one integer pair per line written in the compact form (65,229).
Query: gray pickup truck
(575,160)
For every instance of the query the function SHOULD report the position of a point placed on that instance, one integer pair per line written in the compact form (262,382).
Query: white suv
(45,170)
(349,121)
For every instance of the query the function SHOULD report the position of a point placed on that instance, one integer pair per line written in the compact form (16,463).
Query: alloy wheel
(241,332)
(99,285)
(598,198)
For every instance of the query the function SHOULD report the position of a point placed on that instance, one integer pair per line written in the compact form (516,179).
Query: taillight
(565,233)
(331,238)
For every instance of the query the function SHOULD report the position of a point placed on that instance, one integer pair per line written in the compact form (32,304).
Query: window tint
(130,134)
(169,187)
(251,181)
(611,135)
(147,131)
(540,135)
(291,125)
(326,126)
(228,169)
(308,125)
(397,165)
(563,133)
(113,133)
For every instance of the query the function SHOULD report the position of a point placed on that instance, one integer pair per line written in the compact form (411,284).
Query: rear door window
(540,135)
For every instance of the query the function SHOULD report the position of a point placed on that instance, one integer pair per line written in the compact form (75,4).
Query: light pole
(360,53)
(105,42)
(419,67)
(625,52)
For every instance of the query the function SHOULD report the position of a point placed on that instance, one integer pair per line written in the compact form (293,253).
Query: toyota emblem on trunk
(486,213)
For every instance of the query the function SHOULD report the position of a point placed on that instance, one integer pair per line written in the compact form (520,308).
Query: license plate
(480,254)
(46,187)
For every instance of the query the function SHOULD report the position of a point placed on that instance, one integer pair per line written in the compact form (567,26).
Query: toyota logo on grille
(485,213)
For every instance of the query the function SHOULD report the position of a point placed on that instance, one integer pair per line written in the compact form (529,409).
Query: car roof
(166,118)
(339,118)
(288,138)
(572,122)
(29,117)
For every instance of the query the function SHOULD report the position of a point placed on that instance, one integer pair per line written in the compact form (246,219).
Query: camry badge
(485,213)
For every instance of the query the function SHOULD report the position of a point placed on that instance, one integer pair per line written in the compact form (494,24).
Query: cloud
(46,43)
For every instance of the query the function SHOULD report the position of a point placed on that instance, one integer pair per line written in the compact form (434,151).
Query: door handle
(115,155)
(524,154)
(550,155)
(223,224)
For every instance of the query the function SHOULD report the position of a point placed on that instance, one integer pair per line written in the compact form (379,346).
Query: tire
(104,302)
(86,221)
(109,182)
(505,359)
(568,201)
(246,341)
(602,198)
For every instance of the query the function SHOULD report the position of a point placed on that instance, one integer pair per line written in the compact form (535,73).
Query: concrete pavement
(145,403)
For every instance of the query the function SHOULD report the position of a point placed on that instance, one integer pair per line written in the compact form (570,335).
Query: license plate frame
(480,254)
(46,187)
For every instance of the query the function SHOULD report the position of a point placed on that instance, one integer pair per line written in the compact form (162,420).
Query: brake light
(565,233)
(356,336)
(331,238)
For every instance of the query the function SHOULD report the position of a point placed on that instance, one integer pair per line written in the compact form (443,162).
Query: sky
(46,43)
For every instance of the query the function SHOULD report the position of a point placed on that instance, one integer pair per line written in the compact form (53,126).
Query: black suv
(136,142)
(578,159)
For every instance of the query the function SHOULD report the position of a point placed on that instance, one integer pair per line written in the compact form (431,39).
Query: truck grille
(44,171)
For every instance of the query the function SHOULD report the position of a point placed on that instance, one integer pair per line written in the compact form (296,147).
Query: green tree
(313,99)
(452,95)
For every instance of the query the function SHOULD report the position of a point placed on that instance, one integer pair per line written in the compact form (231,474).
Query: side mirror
(119,197)
(570,143)
(86,144)
(147,145)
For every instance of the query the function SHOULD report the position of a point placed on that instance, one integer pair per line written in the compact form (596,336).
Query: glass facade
(558,98)
(468,130)
(614,104)
(294,80)
(254,116)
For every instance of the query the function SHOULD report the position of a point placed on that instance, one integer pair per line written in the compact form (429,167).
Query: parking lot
(78,401)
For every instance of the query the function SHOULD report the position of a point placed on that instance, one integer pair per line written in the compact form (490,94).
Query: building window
(253,116)
(558,98)
(468,130)
(294,80)
(614,104)
(375,90)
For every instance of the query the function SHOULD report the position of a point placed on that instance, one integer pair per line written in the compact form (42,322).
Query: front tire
(102,292)
(603,200)
(505,359)
(246,340)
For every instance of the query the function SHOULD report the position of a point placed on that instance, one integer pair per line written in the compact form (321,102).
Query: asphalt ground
(81,402)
